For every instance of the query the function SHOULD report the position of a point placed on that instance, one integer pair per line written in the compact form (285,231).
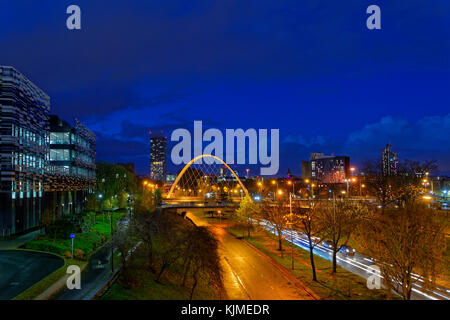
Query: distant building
(389,161)
(72,166)
(170,178)
(326,169)
(24,151)
(306,170)
(158,158)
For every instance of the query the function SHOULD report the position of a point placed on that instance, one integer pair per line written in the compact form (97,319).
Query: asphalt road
(96,274)
(249,275)
(20,269)
(360,265)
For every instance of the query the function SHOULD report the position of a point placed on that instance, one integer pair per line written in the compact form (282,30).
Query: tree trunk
(280,244)
(193,286)
(150,257)
(186,271)
(163,267)
(311,257)
(334,261)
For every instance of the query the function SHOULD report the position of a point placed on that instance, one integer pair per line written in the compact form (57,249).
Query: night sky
(310,68)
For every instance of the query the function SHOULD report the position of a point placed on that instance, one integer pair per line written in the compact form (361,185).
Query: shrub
(79,254)
(41,245)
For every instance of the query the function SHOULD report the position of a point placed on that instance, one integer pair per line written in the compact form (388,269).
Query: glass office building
(71,166)
(45,163)
(24,151)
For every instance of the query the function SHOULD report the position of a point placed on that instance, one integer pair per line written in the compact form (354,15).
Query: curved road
(247,273)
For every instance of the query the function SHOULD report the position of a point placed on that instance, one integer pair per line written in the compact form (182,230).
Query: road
(94,277)
(97,273)
(359,264)
(21,269)
(248,275)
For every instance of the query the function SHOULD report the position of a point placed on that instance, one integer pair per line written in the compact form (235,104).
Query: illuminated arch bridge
(210,181)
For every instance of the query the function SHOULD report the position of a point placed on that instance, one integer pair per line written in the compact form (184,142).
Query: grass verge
(39,287)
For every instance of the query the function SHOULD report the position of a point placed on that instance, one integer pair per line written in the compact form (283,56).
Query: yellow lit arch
(200,157)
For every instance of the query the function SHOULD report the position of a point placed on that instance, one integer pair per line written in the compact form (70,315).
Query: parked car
(347,250)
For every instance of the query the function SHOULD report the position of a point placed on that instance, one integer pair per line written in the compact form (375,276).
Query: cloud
(306,142)
(424,139)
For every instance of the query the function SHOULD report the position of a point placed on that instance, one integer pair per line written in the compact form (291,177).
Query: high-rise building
(389,161)
(158,158)
(326,169)
(72,166)
(24,151)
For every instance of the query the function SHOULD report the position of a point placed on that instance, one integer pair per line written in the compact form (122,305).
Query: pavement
(94,277)
(97,273)
(17,242)
(21,269)
(248,274)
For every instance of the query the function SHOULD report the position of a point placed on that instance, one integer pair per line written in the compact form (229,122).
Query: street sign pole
(72,236)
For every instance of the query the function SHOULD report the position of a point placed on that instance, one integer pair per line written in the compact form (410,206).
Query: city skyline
(318,88)
(227,155)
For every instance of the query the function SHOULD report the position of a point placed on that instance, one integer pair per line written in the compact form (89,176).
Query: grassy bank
(343,285)
(169,288)
(84,243)
(39,287)
(175,251)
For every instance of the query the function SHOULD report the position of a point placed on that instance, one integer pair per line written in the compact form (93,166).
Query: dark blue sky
(310,68)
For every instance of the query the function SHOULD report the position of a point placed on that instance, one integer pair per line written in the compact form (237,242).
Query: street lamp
(289,182)
(275,183)
(292,230)
(72,236)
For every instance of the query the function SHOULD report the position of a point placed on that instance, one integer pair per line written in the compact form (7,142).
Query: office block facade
(71,166)
(326,169)
(45,164)
(24,151)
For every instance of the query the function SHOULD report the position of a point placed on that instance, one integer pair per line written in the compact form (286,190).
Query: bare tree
(338,219)
(171,239)
(123,240)
(204,261)
(406,242)
(400,189)
(145,226)
(307,222)
(276,213)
